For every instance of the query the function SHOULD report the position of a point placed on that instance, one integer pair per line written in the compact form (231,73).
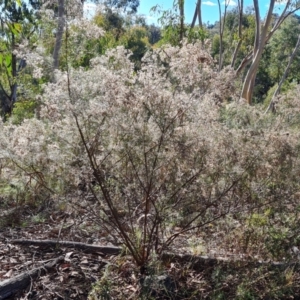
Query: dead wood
(200,263)
(111,250)
(11,286)
(196,262)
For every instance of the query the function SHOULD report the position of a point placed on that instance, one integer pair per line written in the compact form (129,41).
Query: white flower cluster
(83,28)
(160,128)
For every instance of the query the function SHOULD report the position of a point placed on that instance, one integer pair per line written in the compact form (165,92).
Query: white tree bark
(285,13)
(259,44)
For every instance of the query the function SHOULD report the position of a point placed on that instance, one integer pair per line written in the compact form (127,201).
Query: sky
(210,10)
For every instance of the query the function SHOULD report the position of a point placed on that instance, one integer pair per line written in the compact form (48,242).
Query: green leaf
(10,27)
(17,27)
(19,2)
(7,60)
(8,63)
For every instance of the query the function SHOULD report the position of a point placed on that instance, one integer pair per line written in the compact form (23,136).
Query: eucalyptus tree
(197,14)
(282,45)
(263,34)
(264,30)
(129,6)
(18,22)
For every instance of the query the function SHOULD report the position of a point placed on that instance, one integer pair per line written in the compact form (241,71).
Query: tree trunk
(199,14)
(285,13)
(9,98)
(181,12)
(260,41)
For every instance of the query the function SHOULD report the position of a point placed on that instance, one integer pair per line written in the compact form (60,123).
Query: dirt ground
(83,274)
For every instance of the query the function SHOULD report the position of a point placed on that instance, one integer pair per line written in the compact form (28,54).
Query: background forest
(170,142)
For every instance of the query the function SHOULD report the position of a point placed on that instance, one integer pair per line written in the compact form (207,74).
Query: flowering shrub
(164,148)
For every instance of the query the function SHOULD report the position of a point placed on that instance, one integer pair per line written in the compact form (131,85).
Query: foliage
(17,22)
(132,5)
(154,34)
(281,45)
(274,57)
(136,40)
(23,110)
(161,139)
(143,137)
(133,37)
(170,21)
(231,37)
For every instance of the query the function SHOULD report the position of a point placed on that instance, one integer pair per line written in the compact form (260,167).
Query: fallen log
(195,261)
(200,263)
(11,286)
(110,250)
